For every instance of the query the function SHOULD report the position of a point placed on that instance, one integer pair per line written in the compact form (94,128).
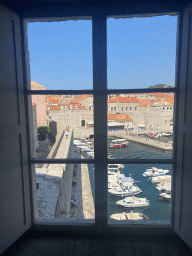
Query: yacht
(90,153)
(114,171)
(163,185)
(166,195)
(120,143)
(160,178)
(128,216)
(119,166)
(154,172)
(123,181)
(125,190)
(114,178)
(133,201)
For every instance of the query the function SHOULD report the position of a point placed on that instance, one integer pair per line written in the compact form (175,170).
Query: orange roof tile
(144,103)
(112,100)
(53,107)
(162,103)
(126,99)
(119,117)
(80,98)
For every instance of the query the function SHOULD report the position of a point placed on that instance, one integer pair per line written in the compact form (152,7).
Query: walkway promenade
(83,194)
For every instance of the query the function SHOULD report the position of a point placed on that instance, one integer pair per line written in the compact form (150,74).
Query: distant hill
(160,86)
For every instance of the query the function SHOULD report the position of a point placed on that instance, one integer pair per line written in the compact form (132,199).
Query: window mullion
(100,119)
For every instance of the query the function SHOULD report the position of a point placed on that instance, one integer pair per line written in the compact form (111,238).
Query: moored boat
(133,201)
(128,216)
(125,190)
(154,172)
(120,143)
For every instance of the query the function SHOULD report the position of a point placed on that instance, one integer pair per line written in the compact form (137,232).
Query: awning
(141,125)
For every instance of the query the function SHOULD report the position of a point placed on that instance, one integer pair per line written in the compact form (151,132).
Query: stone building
(125,105)
(40,101)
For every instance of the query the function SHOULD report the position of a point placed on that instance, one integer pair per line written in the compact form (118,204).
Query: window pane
(61,54)
(135,196)
(142,126)
(141,52)
(64,193)
(60,125)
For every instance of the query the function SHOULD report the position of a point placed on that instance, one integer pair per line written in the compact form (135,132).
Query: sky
(140,52)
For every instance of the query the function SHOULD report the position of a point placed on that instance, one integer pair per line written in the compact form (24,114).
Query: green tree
(159,86)
(42,131)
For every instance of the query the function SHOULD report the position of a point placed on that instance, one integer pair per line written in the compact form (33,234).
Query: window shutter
(183,188)
(15,216)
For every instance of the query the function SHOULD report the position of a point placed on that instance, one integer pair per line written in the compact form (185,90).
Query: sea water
(158,209)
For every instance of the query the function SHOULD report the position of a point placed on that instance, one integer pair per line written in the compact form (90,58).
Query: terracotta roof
(119,117)
(79,99)
(112,100)
(170,100)
(162,103)
(54,107)
(34,84)
(163,95)
(144,103)
(52,99)
(126,99)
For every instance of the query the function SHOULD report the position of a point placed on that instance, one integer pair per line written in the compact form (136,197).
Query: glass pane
(60,54)
(141,52)
(140,125)
(62,126)
(64,193)
(139,194)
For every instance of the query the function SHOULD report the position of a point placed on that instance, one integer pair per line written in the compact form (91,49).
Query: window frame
(100,94)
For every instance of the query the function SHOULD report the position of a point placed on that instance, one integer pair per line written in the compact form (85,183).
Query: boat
(154,172)
(90,153)
(114,171)
(125,190)
(166,195)
(120,143)
(119,166)
(160,178)
(164,185)
(125,181)
(113,178)
(128,216)
(133,201)
(78,143)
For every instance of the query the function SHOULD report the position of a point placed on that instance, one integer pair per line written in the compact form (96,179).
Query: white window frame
(100,94)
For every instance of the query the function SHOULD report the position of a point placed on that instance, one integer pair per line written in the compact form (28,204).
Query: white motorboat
(114,178)
(123,181)
(90,153)
(133,201)
(128,216)
(166,195)
(163,185)
(125,190)
(114,171)
(154,172)
(78,143)
(160,178)
(119,166)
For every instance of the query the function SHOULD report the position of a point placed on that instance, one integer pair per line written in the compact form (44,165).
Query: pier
(142,140)
(83,194)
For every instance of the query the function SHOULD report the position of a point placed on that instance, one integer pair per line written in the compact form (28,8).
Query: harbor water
(158,209)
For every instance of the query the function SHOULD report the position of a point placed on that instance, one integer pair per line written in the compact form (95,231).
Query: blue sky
(141,52)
